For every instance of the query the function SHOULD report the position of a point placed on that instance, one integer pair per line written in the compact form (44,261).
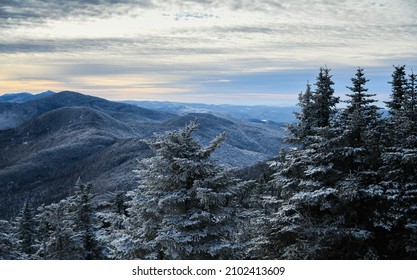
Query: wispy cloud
(184,44)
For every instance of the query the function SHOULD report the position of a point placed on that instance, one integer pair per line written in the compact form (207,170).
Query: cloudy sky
(212,51)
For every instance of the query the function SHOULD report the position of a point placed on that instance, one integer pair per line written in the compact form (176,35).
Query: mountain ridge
(14,114)
(281,114)
(23,96)
(68,135)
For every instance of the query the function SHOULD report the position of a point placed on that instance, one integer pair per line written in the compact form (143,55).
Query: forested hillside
(56,138)
(345,188)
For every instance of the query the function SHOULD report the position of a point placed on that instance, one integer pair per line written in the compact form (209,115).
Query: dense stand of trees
(347,189)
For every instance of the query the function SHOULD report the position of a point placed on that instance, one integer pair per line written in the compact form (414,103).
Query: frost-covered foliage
(399,87)
(26,229)
(303,128)
(112,219)
(8,242)
(84,221)
(184,207)
(68,229)
(349,192)
(399,169)
(324,101)
(55,233)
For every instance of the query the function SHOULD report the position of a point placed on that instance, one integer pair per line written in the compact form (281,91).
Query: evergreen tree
(409,116)
(68,229)
(360,123)
(323,98)
(184,206)
(327,209)
(399,179)
(302,129)
(8,248)
(306,178)
(307,224)
(396,106)
(26,230)
(399,172)
(83,211)
(56,235)
(399,85)
(112,217)
(360,159)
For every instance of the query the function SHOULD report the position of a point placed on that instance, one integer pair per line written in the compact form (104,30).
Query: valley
(47,143)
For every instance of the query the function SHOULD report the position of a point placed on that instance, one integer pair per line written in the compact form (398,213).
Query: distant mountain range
(23,96)
(258,112)
(13,114)
(47,142)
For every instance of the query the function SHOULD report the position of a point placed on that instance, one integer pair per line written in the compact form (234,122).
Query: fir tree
(409,116)
(69,228)
(56,235)
(184,206)
(399,171)
(26,229)
(112,217)
(302,129)
(8,242)
(325,202)
(82,209)
(398,84)
(323,98)
(361,133)
(360,159)
(306,178)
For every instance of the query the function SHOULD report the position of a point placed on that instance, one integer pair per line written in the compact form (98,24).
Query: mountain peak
(22,97)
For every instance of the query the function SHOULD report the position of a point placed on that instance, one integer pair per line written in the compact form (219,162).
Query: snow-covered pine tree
(8,242)
(323,98)
(359,160)
(360,123)
(26,230)
(399,171)
(55,240)
(112,216)
(301,130)
(409,116)
(301,227)
(68,229)
(82,209)
(399,85)
(396,105)
(184,206)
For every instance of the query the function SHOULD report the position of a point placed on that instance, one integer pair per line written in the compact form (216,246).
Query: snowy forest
(345,187)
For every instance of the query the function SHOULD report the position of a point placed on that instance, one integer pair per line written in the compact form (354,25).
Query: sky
(242,52)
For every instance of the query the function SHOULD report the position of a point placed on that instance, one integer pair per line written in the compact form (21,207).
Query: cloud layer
(175,47)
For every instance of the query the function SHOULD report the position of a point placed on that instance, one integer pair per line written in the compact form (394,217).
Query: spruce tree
(360,122)
(306,177)
(327,209)
(184,207)
(396,106)
(56,236)
(8,242)
(398,84)
(112,217)
(324,99)
(82,209)
(301,130)
(69,228)
(26,230)
(360,159)
(409,116)
(399,170)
